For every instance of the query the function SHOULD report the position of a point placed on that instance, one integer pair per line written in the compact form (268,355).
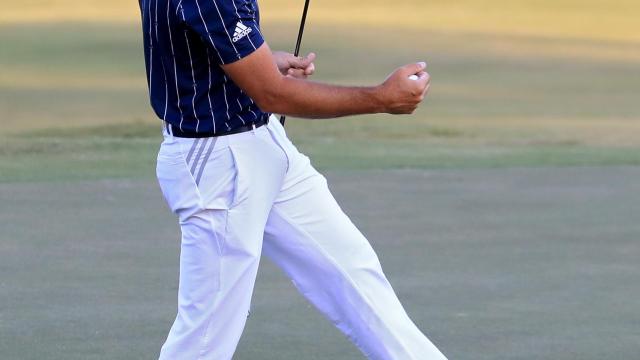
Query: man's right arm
(258,75)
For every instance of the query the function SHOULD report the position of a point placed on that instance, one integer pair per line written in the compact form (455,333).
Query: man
(240,188)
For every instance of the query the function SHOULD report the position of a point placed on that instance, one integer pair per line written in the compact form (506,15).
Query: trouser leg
(223,209)
(334,267)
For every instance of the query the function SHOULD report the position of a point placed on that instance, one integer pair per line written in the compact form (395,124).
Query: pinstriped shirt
(185,42)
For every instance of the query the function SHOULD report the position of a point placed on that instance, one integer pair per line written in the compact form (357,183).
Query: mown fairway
(492,264)
(504,211)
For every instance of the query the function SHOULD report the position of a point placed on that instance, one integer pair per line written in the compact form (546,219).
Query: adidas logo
(241,31)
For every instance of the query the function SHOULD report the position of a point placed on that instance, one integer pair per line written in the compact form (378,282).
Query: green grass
(116,152)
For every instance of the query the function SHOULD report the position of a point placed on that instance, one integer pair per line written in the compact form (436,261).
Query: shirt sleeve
(229,27)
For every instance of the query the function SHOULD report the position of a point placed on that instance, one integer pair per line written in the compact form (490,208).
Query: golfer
(241,189)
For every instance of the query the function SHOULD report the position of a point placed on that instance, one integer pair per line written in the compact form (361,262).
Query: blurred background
(515,83)
(515,185)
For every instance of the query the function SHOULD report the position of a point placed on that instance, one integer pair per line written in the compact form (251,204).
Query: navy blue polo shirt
(185,42)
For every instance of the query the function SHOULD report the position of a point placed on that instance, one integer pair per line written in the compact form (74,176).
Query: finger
(413,69)
(297,73)
(302,62)
(424,79)
(310,69)
(309,59)
(422,75)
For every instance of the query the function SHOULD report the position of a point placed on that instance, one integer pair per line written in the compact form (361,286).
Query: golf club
(299,41)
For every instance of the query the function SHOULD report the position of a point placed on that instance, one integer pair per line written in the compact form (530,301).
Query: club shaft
(296,52)
(301,30)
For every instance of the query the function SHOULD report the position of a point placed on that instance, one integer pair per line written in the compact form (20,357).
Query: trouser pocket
(198,182)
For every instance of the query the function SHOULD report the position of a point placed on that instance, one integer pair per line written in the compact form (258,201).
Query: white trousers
(239,195)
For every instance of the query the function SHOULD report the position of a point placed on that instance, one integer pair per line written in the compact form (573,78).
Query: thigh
(307,226)
(305,204)
(222,190)
(230,181)
(201,200)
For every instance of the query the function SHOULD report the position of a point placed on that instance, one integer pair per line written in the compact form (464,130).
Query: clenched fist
(401,93)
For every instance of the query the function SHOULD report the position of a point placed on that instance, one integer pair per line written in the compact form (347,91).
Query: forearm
(260,78)
(309,99)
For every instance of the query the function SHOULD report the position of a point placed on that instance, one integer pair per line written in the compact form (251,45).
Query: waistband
(175,131)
